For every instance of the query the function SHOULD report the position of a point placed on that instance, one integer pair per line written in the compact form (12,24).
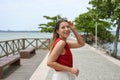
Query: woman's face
(64,30)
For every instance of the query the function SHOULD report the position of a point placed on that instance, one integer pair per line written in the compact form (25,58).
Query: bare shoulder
(58,48)
(61,43)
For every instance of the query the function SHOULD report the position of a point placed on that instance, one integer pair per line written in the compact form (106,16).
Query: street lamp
(96,35)
(96,30)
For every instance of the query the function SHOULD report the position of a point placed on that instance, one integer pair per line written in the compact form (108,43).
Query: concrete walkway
(27,67)
(93,65)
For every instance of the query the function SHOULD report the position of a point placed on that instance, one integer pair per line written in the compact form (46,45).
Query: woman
(60,58)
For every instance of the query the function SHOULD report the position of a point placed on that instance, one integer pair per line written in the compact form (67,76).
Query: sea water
(16,35)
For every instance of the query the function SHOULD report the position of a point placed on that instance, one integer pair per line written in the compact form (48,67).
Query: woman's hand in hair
(71,25)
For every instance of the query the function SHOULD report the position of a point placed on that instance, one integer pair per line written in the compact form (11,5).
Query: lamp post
(96,34)
(96,30)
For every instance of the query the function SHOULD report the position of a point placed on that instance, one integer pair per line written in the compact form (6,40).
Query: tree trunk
(115,50)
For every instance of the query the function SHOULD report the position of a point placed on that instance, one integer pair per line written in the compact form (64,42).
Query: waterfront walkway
(93,64)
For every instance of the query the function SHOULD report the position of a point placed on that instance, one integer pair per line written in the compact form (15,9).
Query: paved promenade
(28,66)
(94,65)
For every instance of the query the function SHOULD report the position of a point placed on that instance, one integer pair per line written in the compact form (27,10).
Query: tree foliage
(108,9)
(48,27)
(86,23)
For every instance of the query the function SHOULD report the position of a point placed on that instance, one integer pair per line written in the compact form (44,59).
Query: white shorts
(60,75)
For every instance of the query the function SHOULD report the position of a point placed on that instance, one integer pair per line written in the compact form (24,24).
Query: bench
(26,53)
(12,60)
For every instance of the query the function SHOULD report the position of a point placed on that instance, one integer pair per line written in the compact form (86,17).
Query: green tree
(109,9)
(48,27)
(86,23)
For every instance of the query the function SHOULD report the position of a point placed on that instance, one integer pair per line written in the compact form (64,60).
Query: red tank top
(65,59)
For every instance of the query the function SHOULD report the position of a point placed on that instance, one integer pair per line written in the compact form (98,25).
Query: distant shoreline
(19,31)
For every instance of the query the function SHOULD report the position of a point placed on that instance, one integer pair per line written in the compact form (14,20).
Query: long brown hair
(55,34)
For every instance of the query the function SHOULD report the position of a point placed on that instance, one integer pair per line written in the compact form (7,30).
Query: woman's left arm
(75,44)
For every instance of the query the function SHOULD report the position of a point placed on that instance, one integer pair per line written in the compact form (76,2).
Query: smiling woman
(60,56)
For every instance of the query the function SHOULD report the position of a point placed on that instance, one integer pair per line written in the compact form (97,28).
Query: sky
(28,14)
